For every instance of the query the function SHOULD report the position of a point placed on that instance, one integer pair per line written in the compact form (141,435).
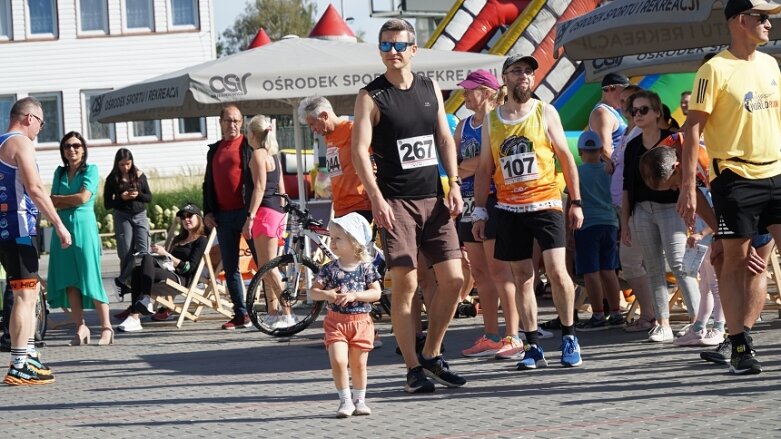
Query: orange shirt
(347,191)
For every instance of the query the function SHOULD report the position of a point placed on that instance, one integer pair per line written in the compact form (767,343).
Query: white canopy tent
(661,62)
(272,80)
(632,27)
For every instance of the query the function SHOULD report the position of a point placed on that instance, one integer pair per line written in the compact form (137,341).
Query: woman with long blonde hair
(266,219)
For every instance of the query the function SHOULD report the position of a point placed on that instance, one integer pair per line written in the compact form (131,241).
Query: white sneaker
(130,324)
(346,409)
(681,332)
(270,320)
(286,321)
(660,334)
(691,338)
(361,409)
(713,337)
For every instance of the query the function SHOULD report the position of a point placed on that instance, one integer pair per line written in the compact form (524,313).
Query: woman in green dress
(75,280)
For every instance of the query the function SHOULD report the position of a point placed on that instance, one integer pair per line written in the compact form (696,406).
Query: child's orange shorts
(357,330)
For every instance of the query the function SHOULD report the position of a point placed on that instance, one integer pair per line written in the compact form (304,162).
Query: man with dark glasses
(25,194)
(605,119)
(735,103)
(401,116)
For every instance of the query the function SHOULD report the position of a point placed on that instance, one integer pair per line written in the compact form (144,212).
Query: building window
(6,32)
(42,17)
(92,16)
(52,114)
(184,13)
(138,15)
(6,102)
(192,126)
(145,130)
(96,131)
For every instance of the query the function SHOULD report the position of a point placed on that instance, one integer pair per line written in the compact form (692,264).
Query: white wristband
(479,214)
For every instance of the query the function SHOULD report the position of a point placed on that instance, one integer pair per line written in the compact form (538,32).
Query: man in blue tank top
(401,116)
(605,119)
(21,190)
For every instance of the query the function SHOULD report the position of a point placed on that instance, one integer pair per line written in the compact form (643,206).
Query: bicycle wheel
(41,312)
(292,311)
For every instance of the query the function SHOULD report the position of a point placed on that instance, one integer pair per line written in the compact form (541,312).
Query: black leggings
(147,274)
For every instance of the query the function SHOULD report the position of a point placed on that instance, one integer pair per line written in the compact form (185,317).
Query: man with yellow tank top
(735,102)
(520,141)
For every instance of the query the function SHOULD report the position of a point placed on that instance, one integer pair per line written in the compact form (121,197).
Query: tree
(277,17)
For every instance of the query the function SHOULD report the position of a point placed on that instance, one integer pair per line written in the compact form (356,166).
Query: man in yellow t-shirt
(520,140)
(735,103)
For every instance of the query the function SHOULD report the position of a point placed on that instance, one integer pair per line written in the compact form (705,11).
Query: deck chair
(202,292)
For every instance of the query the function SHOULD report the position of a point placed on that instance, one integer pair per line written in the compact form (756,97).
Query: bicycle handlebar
(303,215)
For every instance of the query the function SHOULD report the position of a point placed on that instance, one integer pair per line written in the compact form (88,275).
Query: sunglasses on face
(398,46)
(72,146)
(186,215)
(640,110)
(763,18)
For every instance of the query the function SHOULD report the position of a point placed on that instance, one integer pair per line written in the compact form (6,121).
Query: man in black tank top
(401,116)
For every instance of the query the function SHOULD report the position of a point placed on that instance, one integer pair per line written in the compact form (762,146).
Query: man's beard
(521,95)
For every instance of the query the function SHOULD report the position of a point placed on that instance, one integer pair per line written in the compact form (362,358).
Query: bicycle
(296,270)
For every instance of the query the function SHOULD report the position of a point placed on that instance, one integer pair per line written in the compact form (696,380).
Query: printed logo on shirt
(702,89)
(759,102)
(518,160)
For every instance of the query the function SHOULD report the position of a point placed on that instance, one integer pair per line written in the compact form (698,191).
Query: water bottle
(693,256)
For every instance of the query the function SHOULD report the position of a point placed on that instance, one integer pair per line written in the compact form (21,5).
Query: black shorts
(465,228)
(744,207)
(516,232)
(20,260)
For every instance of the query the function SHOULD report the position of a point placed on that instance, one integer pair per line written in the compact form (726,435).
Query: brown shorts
(357,330)
(423,225)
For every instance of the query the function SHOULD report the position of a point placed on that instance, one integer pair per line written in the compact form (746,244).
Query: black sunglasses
(399,46)
(763,18)
(72,145)
(642,110)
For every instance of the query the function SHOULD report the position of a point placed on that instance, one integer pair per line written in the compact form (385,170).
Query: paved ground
(204,382)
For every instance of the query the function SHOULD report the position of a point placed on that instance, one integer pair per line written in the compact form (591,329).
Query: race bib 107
(519,167)
(417,152)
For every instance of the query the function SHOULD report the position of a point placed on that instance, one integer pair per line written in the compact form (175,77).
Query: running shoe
(690,338)
(162,315)
(237,322)
(615,321)
(483,347)
(35,364)
(438,370)
(361,409)
(743,361)
(713,337)
(417,381)
(131,324)
(512,349)
(639,325)
(721,354)
(593,324)
(681,332)
(533,358)
(145,306)
(660,334)
(570,352)
(26,376)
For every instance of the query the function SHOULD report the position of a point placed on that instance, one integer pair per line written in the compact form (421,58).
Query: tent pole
(299,154)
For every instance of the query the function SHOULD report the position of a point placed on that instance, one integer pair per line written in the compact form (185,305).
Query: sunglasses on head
(641,110)
(398,46)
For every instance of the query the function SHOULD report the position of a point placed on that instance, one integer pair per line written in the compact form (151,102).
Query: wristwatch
(578,203)
(456,180)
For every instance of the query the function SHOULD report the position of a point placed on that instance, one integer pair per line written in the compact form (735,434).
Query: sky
(226,11)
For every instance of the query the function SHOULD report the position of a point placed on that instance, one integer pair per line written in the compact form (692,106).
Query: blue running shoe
(570,352)
(533,358)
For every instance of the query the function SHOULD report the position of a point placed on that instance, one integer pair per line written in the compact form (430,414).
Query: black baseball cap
(189,208)
(735,7)
(615,79)
(528,59)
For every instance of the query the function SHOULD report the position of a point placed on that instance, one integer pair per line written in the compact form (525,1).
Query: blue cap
(589,141)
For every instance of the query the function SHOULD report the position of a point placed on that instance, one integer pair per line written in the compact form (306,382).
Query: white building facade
(64,52)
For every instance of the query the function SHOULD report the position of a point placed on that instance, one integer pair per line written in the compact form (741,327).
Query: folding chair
(202,292)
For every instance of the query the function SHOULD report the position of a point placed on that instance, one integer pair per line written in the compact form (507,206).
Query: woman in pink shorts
(266,220)
(350,284)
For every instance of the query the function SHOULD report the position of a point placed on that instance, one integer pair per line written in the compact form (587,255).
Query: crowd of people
(631,205)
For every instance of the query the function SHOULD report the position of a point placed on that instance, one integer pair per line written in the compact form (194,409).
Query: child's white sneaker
(346,409)
(361,409)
